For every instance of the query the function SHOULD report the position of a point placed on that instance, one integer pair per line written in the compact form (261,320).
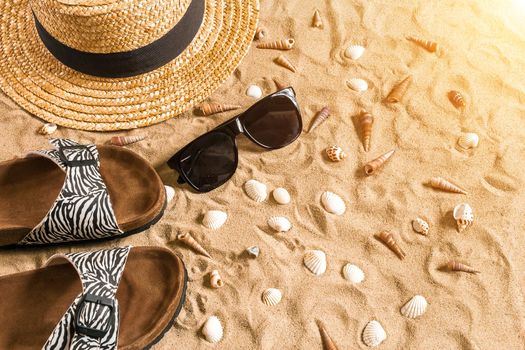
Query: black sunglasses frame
(232,128)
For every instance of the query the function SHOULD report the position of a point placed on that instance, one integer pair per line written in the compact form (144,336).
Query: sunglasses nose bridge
(236,127)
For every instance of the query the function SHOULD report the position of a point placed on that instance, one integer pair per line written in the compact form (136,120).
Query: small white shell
(353,273)
(357,84)
(315,261)
(170,193)
(373,334)
(254,91)
(271,296)
(48,129)
(254,251)
(415,307)
(212,329)
(420,226)
(468,140)
(214,219)
(333,203)
(464,216)
(279,223)
(354,51)
(281,195)
(256,190)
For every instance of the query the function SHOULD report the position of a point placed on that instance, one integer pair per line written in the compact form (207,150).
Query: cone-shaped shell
(373,334)
(215,279)
(212,330)
(279,223)
(445,185)
(464,216)
(428,45)
(319,118)
(279,84)
(170,193)
(468,140)
(315,261)
(283,44)
(354,51)
(457,99)
(366,120)
(260,33)
(357,84)
(391,243)
(193,244)
(335,153)
(285,62)
(256,190)
(353,273)
(126,140)
(332,203)
(214,219)
(399,90)
(457,266)
(48,129)
(209,108)
(420,226)
(415,307)
(317,22)
(271,296)
(374,165)
(328,343)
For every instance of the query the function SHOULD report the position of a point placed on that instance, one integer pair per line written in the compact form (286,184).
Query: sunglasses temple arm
(181,180)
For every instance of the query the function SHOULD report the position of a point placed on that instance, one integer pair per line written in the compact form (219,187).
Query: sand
(484,60)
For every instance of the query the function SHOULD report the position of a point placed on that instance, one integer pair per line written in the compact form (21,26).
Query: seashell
(283,44)
(256,190)
(357,84)
(328,343)
(464,216)
(254,91)
(354,51)
(420,226)
(428,45)
(457,266)
(317,22)
(209,108)
(212,329)
(391,243)
(279,84)
(335,153)
(271,296)
(254,251)
(333,203)
(279,223)
(373,334)
(444,185)
(260,33)
(457,99)
(320,117)
(285,62)
(216,280)
(366,120)
(372,166)
(315,261)
(415,307)
(468,140)
(48,129)
(399,90)
(126,140)
(214,219)
(353,273)
(170,193)
(281,195)
(192,243)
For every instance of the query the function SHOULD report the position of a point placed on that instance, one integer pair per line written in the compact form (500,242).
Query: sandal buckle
(99,300)
(75,163)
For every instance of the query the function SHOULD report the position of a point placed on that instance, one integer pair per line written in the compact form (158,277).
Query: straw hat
(119,64)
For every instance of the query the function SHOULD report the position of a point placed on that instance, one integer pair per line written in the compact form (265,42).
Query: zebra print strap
(83,209)
(92,321)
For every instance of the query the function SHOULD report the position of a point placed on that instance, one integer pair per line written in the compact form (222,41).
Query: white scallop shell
(353,273)
(281,195)
(48,128)
(256,190)
(333,203)
(279,223)
(414,307)
(254,91)
(212,330)
(170,193)
(214,219)
(271,296)
(468,140)
(357,84)
(373,334)
(420,226)
(354,51)
(315,261)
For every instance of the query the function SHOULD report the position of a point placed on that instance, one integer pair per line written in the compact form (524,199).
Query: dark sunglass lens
(273,122)
(210,161)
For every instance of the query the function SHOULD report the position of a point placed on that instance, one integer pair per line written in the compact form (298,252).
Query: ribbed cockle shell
(468,140)
(373,334)
(271,296)
(333,203)
(415,307)
(374,165)
(212,330)
(283,44)
(315,261)
(256,190)
(214,219)
(357,84)
(279,223)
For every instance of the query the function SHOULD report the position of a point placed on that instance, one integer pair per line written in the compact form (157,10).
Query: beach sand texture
(485,61)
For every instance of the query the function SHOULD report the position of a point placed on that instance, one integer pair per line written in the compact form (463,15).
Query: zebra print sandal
(76,193)
(95,300)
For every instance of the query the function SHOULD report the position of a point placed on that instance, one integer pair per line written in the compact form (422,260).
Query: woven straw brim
(42,85)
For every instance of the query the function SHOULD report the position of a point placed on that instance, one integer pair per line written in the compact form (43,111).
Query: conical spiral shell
(328,343)
(415,307)
(332,203)
(373,334)
(279,223)
(428,45)
(319,118)
(317,22)
(126,140)
(353,273)
(260,33)
(366,120)
(457,99)
(445,185)
(283,44)
(212,330)
(457,266)
(279,84)
(335,153)
(256,190)
(420,226)
(214,219)
(216,280)
(468,140)
(285,62)
(399,90)
(357,84)
(391,243)
(48,129)
(209,108)
(271,296)
(464,216)
(315,261)
(193,244)
(372,166)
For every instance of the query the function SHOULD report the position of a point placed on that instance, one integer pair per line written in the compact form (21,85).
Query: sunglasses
(211,159)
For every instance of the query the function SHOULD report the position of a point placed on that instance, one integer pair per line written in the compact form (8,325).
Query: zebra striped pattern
(83,209)
(100,273)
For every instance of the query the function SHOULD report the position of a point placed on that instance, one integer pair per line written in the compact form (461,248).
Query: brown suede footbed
(149,295)
(29,187)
